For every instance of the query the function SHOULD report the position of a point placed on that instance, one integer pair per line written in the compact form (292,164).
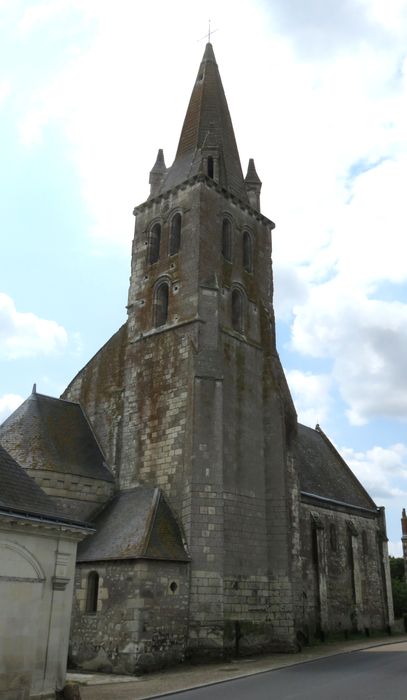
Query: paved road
(379,673)
(348,670)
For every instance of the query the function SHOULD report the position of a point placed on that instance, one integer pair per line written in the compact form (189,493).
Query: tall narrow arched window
(227,239)
(175,234)
(161,304)
(365,543)
(92,592)
(154,244)
(333,537)
(210,166)
(237,311)
(247,252)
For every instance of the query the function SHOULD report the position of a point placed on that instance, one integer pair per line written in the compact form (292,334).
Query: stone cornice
(332,504)
(201,178)
(13,521)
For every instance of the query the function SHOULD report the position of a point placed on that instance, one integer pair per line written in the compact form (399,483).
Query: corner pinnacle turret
(253,185)
(157,173)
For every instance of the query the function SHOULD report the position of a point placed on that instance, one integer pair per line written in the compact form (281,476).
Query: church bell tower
(207,415)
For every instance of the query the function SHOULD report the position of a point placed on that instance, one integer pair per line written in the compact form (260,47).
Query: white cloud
(311,395)
(38,14)
(113,97)
(382,471)
(23,334)
(395,548)
(365,340)
(8,404)
(321,26)
(289,290)
(5,88)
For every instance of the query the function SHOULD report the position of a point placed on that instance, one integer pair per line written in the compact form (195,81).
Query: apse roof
(324,473)
(52,434)
(137,523)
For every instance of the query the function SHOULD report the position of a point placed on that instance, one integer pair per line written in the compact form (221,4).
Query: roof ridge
(55,398)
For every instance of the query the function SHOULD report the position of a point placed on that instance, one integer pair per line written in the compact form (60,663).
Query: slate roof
(137,523)
(207,124)
(324,473)
(21,495)
(52,434)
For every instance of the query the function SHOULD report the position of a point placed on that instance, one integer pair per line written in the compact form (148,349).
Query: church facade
(222,525)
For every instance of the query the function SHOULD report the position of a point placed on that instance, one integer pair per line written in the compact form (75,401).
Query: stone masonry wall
(156,414)
(141,619)
(342,572)
(194,418)
(98,387)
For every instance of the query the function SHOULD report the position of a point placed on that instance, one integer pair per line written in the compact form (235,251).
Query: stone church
(222,526)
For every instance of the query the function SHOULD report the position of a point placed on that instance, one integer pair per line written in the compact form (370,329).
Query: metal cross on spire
(210,32)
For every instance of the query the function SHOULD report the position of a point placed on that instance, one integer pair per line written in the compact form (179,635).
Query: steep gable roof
(137,523)
(207,125)
(19,492)
(52,434)
(20,495)
(324,473)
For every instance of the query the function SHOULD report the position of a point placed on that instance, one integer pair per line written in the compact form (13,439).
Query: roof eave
(327,502)
(46,520)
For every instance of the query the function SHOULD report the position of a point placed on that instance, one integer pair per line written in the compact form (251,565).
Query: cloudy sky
(90,89)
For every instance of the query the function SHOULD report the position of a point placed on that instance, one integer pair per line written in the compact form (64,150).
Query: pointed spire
(34,389)
(404,522)
(252,176)
(209,53)
(207,138)
(253,185)
(157,173)
(159,165)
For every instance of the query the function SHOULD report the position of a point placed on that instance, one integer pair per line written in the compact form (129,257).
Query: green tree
(397,568)
(398,585)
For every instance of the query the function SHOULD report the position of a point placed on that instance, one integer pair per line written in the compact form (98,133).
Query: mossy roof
(207,125)
(55,435)
(324,473)
(136,524)
(21,495)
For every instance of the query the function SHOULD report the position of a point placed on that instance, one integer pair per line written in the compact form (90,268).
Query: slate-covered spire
(207,142)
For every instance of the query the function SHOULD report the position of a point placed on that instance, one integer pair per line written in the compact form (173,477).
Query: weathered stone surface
(190,396)
(196,402)
(141,621)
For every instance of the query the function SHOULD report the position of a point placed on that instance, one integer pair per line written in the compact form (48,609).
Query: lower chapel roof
(136,524)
